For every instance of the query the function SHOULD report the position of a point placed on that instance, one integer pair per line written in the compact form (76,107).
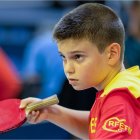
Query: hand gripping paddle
(11,116)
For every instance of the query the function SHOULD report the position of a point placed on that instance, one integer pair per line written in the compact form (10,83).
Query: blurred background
(30,65)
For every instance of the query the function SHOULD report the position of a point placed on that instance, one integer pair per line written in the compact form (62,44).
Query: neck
(111,74)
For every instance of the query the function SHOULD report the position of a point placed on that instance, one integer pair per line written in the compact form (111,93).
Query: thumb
(22,104)
(25,102)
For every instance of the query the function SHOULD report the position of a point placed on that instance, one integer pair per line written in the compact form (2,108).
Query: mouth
(72,81)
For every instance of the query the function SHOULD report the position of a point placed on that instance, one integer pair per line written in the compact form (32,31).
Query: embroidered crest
(115,125)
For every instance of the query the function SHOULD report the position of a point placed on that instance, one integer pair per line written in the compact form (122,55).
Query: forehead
(70,45)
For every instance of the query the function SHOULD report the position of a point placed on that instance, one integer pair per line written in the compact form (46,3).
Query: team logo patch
(115,124)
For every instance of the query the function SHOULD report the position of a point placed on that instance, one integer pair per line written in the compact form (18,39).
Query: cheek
(92,73)
(64,68)
(86,74)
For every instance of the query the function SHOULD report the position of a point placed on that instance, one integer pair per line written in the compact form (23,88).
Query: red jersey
(116,111)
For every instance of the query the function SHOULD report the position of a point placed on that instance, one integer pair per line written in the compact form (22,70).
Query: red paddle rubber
(11,116)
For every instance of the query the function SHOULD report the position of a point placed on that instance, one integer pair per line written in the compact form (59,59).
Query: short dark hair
(93,21)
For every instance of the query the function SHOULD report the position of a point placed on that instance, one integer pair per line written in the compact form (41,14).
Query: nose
(68,68)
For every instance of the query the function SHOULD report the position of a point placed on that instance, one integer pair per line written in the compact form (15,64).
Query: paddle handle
(42,104)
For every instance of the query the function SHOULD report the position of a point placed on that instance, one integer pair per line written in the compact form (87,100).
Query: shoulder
(119,98)
(119,93)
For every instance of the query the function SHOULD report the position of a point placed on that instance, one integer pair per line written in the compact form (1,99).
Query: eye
(63,58)
(78,57)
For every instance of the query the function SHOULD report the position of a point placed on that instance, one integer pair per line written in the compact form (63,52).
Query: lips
(72,81)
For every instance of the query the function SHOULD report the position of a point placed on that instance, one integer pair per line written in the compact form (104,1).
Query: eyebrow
(73,52)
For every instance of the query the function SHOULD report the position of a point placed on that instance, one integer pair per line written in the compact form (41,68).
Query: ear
(113,53)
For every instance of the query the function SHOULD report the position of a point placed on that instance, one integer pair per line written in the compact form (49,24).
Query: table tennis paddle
(11,116)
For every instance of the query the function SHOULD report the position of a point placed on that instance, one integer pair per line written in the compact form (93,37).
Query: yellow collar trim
(129,78)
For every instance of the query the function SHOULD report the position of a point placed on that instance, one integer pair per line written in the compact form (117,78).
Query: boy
(91,42)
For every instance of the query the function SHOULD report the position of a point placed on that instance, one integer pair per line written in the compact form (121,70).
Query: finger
(26,101)
(32,117)
(42,116)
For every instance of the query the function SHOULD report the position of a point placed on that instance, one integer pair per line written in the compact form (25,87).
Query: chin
(79,88)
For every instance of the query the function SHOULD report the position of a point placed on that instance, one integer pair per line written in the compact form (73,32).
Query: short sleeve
(116,117)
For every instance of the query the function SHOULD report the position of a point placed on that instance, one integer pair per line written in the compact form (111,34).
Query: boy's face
(84,65)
